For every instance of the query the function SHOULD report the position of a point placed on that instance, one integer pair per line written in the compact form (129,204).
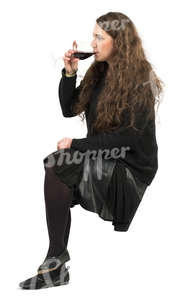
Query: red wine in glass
(83,55)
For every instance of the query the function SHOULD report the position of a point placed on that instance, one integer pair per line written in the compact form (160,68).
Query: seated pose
(109,170)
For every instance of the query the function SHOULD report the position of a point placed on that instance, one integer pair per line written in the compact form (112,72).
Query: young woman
(108,171)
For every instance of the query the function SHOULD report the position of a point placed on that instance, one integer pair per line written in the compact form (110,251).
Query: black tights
(58,213)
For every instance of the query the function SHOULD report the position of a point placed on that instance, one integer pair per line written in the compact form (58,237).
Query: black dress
(108,187)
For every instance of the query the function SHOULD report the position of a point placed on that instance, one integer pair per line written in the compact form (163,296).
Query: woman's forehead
(98,30)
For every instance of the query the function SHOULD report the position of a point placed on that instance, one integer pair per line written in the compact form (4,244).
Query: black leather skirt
(104,186)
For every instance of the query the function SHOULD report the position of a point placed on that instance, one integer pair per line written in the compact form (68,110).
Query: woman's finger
(74,45)
(70,51)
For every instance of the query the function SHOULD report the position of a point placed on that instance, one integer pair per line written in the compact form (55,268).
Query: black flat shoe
(53,262)
(57,277)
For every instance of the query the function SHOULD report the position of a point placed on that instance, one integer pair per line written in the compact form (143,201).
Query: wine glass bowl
(83,50)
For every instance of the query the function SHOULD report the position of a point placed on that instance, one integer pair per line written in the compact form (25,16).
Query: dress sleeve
(68,94)
(122,137)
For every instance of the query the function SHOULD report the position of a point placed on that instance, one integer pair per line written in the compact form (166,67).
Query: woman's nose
(93,45)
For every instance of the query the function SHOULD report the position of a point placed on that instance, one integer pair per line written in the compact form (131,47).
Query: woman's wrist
(68,74)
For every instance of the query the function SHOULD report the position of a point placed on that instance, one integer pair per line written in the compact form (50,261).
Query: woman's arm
(68,94)
(119,138)
(122,137)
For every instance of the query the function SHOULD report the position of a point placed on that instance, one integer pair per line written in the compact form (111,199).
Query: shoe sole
(45,286)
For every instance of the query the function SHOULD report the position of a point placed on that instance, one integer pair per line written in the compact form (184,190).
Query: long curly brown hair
(130,85)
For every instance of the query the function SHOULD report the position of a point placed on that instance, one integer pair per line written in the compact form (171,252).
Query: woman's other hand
(64,143)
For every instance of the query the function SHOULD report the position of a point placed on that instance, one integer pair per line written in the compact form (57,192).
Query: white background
(150,261)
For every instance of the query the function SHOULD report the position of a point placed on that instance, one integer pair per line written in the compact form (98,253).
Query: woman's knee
(50,171)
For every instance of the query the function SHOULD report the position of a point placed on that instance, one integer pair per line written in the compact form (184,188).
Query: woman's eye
(99,38)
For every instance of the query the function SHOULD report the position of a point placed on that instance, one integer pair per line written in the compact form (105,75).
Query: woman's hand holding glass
(70,62)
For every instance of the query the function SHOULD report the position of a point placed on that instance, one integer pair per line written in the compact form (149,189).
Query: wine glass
(83,50)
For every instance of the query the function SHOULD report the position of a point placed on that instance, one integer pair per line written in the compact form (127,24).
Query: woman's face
(102,44)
